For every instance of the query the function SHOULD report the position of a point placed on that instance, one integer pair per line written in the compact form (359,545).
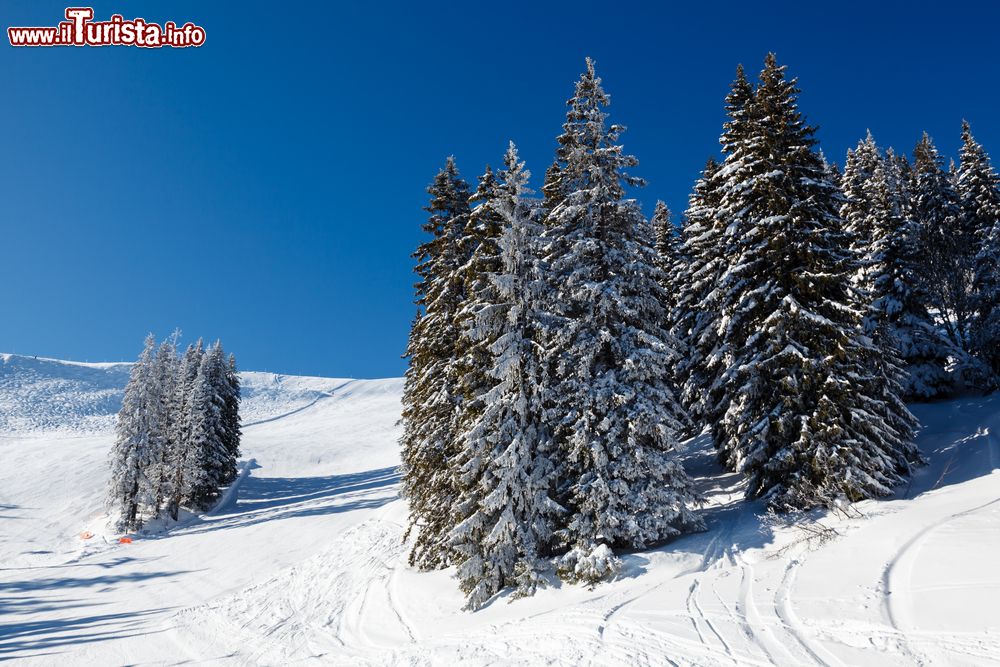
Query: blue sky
(266,188)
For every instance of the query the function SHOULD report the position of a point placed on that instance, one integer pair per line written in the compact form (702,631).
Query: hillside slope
(305,563)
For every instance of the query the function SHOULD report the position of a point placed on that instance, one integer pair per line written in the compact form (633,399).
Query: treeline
(177,437)
(564,345)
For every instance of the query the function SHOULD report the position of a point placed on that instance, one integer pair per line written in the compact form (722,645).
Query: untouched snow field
(303,561)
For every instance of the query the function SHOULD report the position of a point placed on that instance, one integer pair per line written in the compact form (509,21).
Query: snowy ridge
(305,563)
(49,395)
(46,394)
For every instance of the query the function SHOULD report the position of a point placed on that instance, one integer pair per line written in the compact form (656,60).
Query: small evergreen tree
(858,170)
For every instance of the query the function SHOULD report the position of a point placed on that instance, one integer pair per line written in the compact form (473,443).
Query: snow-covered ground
(304,562)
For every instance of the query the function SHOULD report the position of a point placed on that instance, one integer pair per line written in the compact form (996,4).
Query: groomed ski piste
(302,560)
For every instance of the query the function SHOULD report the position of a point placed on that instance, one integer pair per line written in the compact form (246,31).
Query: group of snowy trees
(928,238)
(563,345)
(178,432)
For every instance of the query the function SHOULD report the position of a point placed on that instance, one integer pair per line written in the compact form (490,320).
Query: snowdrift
(304,561)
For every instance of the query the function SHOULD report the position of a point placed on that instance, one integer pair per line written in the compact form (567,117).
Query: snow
(303,560)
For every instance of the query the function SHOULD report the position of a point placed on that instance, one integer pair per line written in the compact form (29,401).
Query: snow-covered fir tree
(711,390)
(431,390)
(804,416)
(873,207)
(978,189)
(675,269)
(615,414)
(480,252)
(947,245)
(878,205)
(667,242)
(509,475)
(858,169)
(177,436)
(138,442)
(694,319)
(182,427)
(167,369)
(206,456)
(231,395)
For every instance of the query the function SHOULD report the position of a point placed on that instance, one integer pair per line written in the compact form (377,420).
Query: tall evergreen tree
(480,251)
(183,425)
(167,369)
(138,441)
(431,391)
(695,316)
(978,189)
(506,460)
(803,419)
(878,207)
(608,349)
(740,162)
(873,210)
(206,456)
(231,396)
(947,243)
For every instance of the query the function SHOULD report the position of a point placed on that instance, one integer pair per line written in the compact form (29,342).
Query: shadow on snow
(32,637)
(277,498)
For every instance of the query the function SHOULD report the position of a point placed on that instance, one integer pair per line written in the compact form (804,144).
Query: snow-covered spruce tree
(858,169)
(480,251)
(874,204)
(804,419)
(167,370)
(667,243)
(947,243)
(138,441)
(614,412)
(978,189)
(507,459)
(230,388)
(878,206)
(431,392)
(741,142)
(694,318)
(182,427)
(675,268)
(206,456)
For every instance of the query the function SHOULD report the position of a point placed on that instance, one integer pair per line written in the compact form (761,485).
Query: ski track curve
(793,625)
(759,631)
(896,583)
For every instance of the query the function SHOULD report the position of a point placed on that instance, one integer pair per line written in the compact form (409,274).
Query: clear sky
(266,188)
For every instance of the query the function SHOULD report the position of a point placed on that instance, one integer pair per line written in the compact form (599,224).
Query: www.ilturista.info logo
(79,29)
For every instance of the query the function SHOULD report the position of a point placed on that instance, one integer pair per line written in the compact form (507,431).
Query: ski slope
(303,562)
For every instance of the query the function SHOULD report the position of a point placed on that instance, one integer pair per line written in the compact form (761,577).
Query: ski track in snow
(302,559)
(898,585)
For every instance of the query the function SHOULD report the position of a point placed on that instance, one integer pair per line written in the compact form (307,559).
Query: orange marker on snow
(125,540)
(86,535)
